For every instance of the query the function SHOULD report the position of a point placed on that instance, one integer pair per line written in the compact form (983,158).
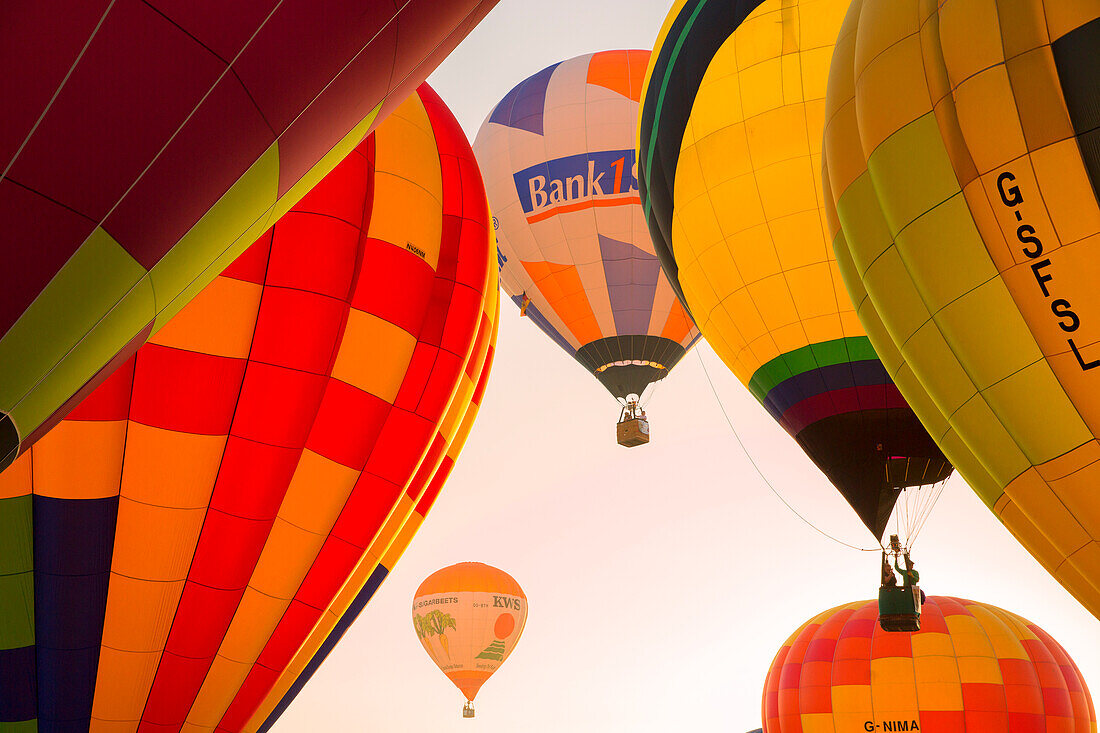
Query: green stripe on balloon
(808,358)
(661,96)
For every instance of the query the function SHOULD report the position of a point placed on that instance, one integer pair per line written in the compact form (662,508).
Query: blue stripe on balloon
(73,545)
(523,106)
(337,633)
(632,275)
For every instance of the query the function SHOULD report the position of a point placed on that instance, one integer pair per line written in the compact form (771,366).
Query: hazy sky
(661,579)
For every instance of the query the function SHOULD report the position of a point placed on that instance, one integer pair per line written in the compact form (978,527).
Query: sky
(661,579)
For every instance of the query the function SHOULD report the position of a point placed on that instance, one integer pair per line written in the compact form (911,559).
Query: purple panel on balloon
(631,275)
(522,107)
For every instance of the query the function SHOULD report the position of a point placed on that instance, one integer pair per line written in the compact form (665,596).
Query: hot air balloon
(469,618)
(146,145)
(973,667)
(201,529)
(966,204)
(729,146)
(395,534)
(558,157)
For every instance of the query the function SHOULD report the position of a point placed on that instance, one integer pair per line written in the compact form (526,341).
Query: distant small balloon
(468,618)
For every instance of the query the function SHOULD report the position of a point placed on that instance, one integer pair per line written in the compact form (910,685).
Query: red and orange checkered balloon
(972,667)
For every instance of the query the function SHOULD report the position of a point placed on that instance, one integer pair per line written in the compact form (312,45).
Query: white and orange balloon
(575,255)
(469,617)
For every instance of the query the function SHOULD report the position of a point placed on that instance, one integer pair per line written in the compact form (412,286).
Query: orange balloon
(469,617)
(971,667)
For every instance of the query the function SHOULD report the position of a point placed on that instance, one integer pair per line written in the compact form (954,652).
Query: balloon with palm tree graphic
(435,623)
(468,618)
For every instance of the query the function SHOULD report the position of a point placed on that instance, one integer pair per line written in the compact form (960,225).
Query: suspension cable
(765,478)
(927,512)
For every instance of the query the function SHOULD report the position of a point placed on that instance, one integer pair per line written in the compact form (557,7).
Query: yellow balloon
(962,178)
(729,172)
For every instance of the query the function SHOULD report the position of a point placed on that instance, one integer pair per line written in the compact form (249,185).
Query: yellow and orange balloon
(469,617)
(962,179)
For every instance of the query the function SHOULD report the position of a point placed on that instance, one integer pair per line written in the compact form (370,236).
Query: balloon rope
(765,478)
(927,513)
(652,392)
(911,504)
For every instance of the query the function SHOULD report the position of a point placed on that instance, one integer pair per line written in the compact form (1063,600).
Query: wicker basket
(633,432)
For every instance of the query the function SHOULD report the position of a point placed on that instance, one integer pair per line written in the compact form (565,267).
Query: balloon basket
(468,711)
(899,608)
(632,432)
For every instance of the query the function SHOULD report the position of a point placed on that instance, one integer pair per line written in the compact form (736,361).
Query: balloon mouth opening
(630,399)
(639,400)
(631,362)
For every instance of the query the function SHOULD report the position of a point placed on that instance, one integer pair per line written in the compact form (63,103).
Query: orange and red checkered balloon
(188,545)
(971,668)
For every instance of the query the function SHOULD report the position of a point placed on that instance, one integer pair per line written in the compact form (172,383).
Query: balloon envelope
(558,157)
(972,666)
(145,145)
(729,144)
(201,528)
(469,618)
(966,204)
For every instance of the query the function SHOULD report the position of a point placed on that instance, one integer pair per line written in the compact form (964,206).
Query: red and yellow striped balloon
(971,668)
(185,548)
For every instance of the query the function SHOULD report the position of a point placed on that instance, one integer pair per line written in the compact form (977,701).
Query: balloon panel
(350,603)
(181,533)
(972,227)
(468,618)
(730,145)
(139,162)
(559,163)
(972,666)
